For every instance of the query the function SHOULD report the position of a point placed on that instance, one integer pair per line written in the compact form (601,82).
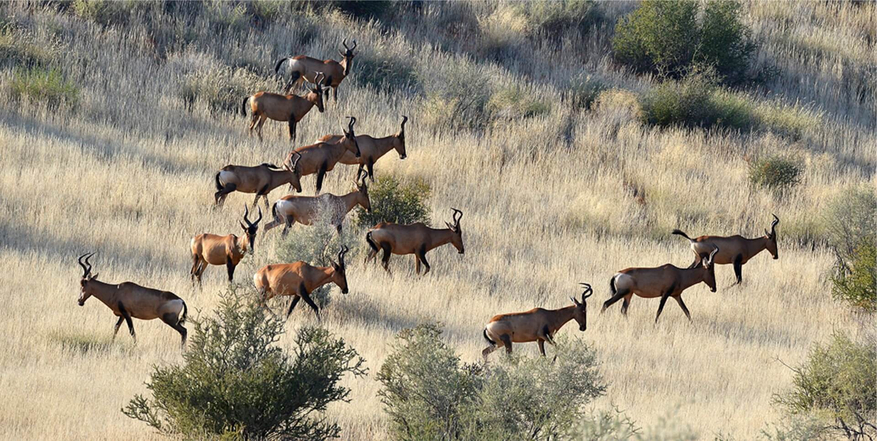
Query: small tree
(850,228)
(235,381)
(394,200)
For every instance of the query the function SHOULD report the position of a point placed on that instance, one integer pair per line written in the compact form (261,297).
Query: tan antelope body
(229,250)
(307,209)
(664,282)
(321,157)
(129,300)
(289,108)
(537,325)
(416,239)
(261,179)
(303,68)
(299,279)
(736,250)
(371,149)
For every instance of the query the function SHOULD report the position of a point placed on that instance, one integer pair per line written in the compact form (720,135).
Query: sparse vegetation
(43,86)
(235,382)
(775,172)
(850,225)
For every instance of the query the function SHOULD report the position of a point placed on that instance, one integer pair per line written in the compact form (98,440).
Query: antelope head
(362,198)
(457,239)
(251,228)
(318,89)
(339,275)
(772,238)
(349,139)
(710,277)
(581,312)
(347,56)
(400,145)
(290,166)
(84,292)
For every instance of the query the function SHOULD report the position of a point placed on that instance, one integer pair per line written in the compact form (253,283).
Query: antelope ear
(767,233)
(449,225)
(93,277)
(576,302)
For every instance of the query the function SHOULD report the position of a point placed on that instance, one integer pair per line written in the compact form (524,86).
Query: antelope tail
(679,232)
(185,314)
(218,184)
(274,212)
(371,242)
(484,332)
(612,285)
(244,106)
(277,66)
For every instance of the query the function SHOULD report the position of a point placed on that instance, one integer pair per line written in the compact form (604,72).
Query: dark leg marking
(541,347)
(421,254)
(738,267)
(320,174)
(385,260)
(624,305)
(292,304)
(507,342)
(307,298)
(618,296)
(663,301)
(116,328)
(230,266)
(682,305)
(127,318)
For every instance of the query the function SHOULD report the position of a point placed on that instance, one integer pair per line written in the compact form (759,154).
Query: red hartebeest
(307,209)
(735,249)
(129,300)
(664,281)
(371,149)
(290,108)
(299,279)
(304,68)
(210,249)
(261,180)
(321,157)
(537,325)
(415,239)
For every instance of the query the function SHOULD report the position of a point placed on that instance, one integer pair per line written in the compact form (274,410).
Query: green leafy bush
(516,103)
(584,90)
(775,172)
(235,382)
(838,384)
(666,37)
(395,200)
(856,282)
(18,49)
(695,102)
(45,86)
(430,394)
(851,231)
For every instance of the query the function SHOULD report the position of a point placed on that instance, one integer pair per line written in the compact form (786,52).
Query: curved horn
(456,217)
(260,217)
(402,132)
(354,45)
(352,122)
(588,290)
(773,225)
(294,157)
(246,216)
(85,270)
(344,43)
(712,256)
(341,254)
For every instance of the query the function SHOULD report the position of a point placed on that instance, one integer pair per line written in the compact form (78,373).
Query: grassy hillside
(115,116)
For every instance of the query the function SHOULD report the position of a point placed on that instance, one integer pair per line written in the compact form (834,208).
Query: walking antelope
(129,300)
(415,239)
(307,209)
(210,249)
(321,157)
(371,149)
(735,249)
(290,108)
(260,179)
(664,281)
(299,279)
(537,325)
(304,68)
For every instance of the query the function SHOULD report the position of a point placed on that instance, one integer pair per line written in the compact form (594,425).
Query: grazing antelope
(303,68)
(210,249)
(129,300)
(664,281)
(307,209)
(415,239)
(260,179)
(321,157)
(735,249)
(299,279)
(290,108)
(537,325)
(371,149)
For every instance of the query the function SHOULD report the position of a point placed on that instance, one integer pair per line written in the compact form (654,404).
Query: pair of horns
(709,260)
(344,43)
(293,160)
(86,270)
(319,82)
(361,174)
(773,226)
(588,293)
(402,132)
(457,216)
(247,218)
(341,254)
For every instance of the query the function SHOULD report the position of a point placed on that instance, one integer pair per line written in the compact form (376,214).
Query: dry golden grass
(128,173)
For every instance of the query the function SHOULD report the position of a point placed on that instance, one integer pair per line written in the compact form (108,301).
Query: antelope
(299,279)
(306,209)
(415,239)
(371,149)
(664,281)
(321,157)
(537,325)
(735,249)
(290,108)
(129,300)
(303,68)
(260,179)
(211,249)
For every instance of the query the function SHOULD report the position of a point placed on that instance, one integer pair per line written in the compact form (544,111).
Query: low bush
(775,172)
(552,18)
(19,50)
(695,102)
(395,200)
(855,282)
(516,103)
(584,90)
(43,86)
(222,89)
(235,382)
(849,220)
(456,97)
(838,384)
(429,394)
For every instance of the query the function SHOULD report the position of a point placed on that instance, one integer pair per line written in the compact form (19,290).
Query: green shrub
(550,18)
(584,90)
(695,102)
(516,103)
(849,221)
(666,38)
(45,86)
(20,50)
(838,384)
(395,200)
(429,394)
(235,382)
(775,172)
(456,97)
(856,282)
